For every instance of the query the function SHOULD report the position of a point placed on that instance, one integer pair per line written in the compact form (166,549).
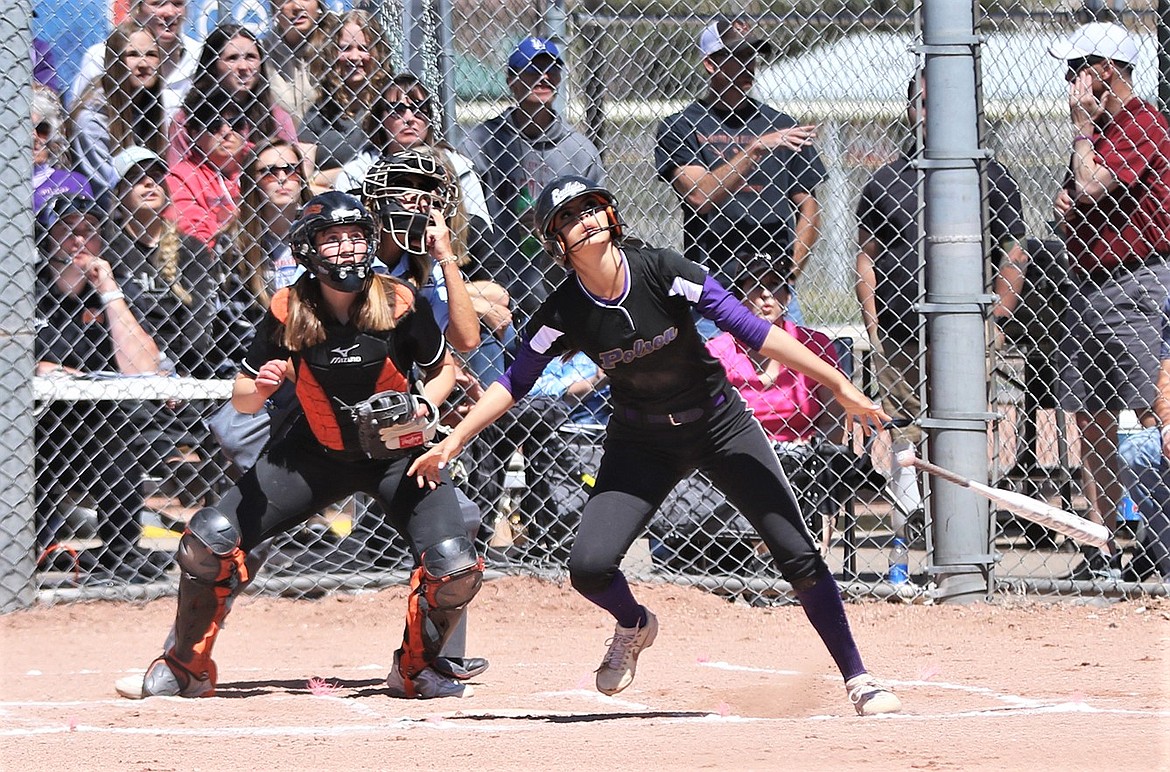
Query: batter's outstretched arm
(859,409)
(494,403)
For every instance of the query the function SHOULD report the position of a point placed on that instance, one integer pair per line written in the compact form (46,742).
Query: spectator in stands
(403,120)
(1157,507)
(52,173)
(205,183)
(175,297)
(122,108)
(178,53)
(1114,214)
(176,291)
(516,154)
(580,384)
(86,324)
(301,33)
(1143,470)
(746,174)
(791,406)
(888,265)
(357,75)
(233,61)
(260,262)
(569,392)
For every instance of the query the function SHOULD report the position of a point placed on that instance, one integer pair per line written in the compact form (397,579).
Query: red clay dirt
(1010,685)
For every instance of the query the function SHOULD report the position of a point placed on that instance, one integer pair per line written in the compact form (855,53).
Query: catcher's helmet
(321,212)
(556,196)
(402,189)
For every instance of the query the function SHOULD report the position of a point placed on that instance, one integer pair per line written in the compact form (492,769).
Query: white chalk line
(1013,703)
(512,719)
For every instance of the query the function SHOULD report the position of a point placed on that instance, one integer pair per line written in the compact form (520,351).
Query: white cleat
(870,697)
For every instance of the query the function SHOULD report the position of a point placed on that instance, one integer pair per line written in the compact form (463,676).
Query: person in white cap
(1114,213)
(746,173)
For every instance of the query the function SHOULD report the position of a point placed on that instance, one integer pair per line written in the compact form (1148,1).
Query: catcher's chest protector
(345,369)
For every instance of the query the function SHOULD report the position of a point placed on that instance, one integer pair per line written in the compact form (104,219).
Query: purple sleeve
(730,315)
(523,372)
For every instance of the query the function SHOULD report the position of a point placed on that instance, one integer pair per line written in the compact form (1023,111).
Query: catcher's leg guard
(213,568)
(448,578)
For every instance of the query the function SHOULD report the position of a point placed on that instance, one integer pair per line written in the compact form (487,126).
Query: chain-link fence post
(1163,35)
(957,411)
(16,314)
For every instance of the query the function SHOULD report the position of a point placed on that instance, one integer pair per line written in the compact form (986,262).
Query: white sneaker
(870,697)
(428,684)
(621,661)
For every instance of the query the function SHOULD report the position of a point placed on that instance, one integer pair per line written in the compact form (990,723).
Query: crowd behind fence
(123,458)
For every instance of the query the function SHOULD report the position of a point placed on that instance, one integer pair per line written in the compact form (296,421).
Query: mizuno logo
(345,356)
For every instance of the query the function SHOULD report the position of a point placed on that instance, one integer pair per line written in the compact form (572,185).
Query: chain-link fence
(172,149)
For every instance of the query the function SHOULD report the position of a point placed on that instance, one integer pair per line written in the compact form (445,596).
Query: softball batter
(628,307)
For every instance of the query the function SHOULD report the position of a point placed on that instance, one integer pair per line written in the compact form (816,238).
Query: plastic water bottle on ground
(899,562)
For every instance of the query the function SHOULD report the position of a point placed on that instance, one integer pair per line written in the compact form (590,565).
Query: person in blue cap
(516,154)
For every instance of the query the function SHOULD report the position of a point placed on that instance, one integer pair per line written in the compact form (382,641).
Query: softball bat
(1072,526)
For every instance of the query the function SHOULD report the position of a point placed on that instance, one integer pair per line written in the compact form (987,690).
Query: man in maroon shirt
(1114,213)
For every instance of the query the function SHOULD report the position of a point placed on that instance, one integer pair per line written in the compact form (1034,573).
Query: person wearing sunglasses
(516,154)
(1113,211)
(232,60)
(52,166)
(205,184)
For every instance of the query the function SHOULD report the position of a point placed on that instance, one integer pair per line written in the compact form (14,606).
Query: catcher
(350,340)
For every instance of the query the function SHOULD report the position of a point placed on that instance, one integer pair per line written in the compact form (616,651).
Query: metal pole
(1163,30)
(955,302)
(17,331)
(447,70)
(553,28)
(593,88)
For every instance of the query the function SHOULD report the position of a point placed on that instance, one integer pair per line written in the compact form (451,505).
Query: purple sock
(824,609)
(619,601)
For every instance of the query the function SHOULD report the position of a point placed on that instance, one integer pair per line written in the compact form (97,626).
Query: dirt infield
(1011,685)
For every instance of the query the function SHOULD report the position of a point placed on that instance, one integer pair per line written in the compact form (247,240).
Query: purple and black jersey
(645,340)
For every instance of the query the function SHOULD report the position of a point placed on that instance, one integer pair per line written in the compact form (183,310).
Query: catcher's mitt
(389,425)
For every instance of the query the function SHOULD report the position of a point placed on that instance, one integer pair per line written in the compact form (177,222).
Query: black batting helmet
(403,188)
(319,213)
(556,196)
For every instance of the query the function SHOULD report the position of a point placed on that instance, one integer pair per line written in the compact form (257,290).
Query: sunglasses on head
(400,108)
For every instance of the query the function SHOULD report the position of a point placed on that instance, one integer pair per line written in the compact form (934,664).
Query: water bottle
(899,562)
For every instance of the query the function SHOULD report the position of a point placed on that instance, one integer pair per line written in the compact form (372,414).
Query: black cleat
(460,668)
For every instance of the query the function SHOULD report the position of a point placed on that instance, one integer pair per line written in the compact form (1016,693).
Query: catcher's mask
(324,211)
(556,196)
(403,189)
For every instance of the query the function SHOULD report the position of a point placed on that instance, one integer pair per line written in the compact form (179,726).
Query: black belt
(677,418)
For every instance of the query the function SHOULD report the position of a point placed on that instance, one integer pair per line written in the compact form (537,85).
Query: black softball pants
(644,461)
